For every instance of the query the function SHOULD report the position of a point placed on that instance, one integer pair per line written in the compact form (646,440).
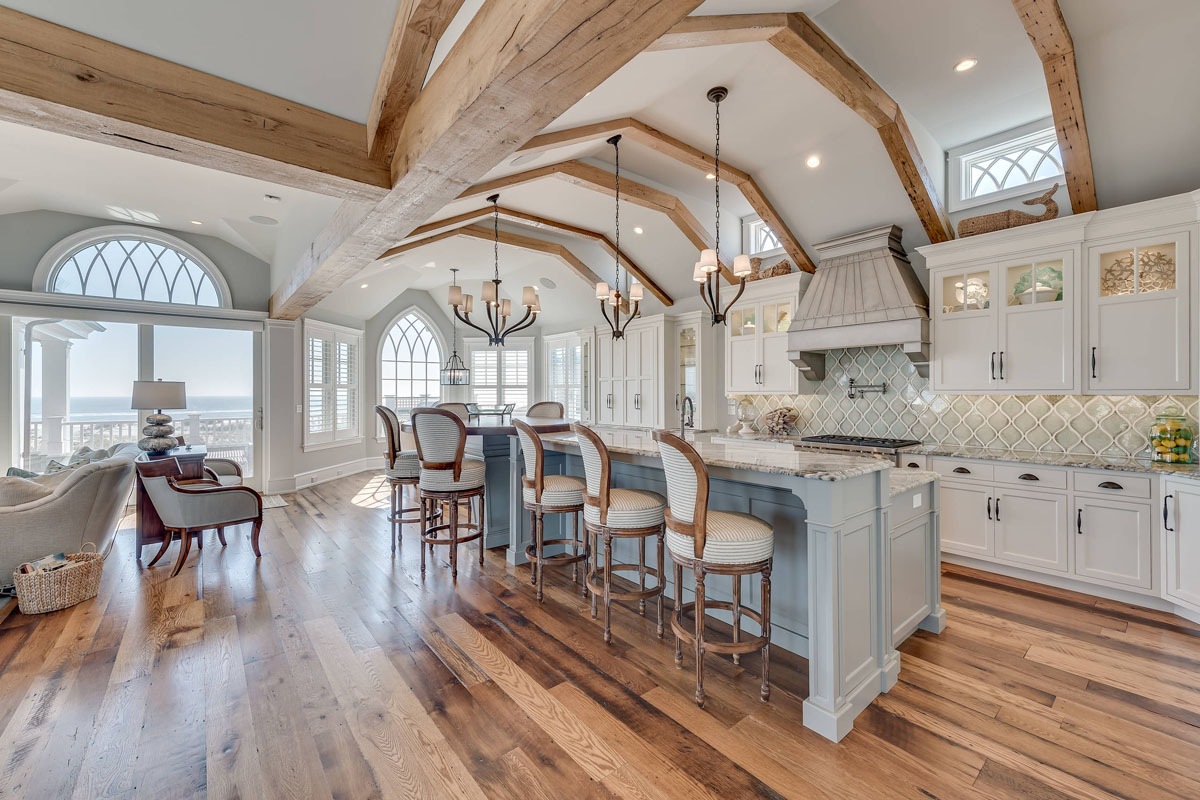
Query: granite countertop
(1082,460)
(904,480)
(805,464)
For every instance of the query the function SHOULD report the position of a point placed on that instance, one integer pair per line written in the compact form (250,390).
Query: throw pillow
(54,466)
(17,472)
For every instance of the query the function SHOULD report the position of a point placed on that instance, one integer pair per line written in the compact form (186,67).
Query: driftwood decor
(781,267)
(1010,218)
(779,421)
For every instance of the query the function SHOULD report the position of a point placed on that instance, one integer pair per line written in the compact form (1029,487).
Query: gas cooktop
(839,441)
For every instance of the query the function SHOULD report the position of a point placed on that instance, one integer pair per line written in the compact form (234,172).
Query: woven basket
(43,592)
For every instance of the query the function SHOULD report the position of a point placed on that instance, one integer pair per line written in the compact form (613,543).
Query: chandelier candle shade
(707,269)
(612,296)
(159,394)
(455,373)
(498,308)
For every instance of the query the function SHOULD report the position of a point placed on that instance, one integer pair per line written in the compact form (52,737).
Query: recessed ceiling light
(549,284)
(272,198)
(813,161)
(362,286)
(197,222)
(261,220)
(429,265)
(711,177)
(638,229)
(965,64)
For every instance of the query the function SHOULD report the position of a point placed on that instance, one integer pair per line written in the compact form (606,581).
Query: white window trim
(748,239)
(526,343)
(48,266)
(336,438)
(954,174)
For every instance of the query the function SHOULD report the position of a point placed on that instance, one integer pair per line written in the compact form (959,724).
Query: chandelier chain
(617,202)
(496,241)
(717,178)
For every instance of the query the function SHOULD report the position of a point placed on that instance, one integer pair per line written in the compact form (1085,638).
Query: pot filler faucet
(859,389)
(687,415)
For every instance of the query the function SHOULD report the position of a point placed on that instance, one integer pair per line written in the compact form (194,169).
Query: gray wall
(26,236)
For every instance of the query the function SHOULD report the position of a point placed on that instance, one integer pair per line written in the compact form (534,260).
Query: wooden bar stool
(447,477)
(548,494)
(403,469)
(716,542)
(610,513)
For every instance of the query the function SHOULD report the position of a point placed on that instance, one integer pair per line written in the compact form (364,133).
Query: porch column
(56,392)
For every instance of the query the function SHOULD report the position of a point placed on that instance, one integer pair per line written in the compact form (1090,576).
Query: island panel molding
(516,68)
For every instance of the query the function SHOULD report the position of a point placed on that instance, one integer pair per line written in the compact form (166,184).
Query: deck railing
(225,436)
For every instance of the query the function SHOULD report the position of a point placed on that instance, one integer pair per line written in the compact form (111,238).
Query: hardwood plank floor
(330,669)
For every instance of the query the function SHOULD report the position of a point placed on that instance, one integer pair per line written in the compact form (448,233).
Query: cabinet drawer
(1031,477)
(960,470)
(1115,484)
(906,461)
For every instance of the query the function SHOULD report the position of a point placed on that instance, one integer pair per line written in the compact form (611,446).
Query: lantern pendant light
(612,297)
(707,269)
(498,309)
(455,373)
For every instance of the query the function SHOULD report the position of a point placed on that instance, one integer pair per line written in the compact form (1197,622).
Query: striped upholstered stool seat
(557,491)
(442,480)
(732,538)
(629,508)
(406,465)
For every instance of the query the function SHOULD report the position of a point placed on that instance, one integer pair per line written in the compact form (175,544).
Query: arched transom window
(125,263)
(410,360)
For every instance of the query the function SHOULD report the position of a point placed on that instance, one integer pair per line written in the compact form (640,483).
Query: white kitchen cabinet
(1112,541)
(1031,528)
(1181,540)
(630,375)
(756,347)
(692,361)
(1139,316)
(1006,326)
(967,524)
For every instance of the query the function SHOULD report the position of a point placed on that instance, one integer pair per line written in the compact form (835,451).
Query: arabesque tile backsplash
(1091,424)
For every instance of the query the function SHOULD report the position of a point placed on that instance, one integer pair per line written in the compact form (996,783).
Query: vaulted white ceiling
(1136,62)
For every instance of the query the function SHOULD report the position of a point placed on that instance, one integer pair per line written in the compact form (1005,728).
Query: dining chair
(546,409)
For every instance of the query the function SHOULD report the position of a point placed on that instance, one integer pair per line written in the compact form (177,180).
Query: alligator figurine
(1010,218)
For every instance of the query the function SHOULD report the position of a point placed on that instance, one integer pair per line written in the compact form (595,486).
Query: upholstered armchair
(188,507)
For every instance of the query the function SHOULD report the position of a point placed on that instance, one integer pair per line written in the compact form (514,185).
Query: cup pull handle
(913,465)
(1079,521)
(1028,476)
(1110,485)
(1165,506)
(962,470)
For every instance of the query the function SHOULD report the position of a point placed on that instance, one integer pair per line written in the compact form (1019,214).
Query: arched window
(410,359)
(128,263)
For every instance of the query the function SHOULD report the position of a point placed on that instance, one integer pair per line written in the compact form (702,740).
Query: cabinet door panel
(1112,542)
(966,528)
(1037,351)
(609,397)
(741,366)
(1183,543)
(1031,528)
(962,350)
(777,374)
(647,364)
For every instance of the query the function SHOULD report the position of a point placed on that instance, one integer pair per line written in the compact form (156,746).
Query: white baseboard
(303,480)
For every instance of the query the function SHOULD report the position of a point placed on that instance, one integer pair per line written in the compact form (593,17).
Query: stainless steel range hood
(864,294)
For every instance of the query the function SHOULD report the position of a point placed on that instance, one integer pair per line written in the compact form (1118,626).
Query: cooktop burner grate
(860,441)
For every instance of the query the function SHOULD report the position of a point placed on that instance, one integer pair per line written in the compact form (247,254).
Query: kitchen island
(832,575)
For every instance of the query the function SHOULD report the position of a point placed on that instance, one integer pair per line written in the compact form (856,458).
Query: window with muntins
(758,238)
(409,366)
(332,379)
(500,375)
(130,266)
(1015,163)
(564,373)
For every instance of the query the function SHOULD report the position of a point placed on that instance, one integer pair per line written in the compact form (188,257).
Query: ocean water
(97,409)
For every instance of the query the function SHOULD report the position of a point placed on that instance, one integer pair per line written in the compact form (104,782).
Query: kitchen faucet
(687,413)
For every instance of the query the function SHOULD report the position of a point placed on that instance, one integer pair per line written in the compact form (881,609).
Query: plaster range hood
(864,294)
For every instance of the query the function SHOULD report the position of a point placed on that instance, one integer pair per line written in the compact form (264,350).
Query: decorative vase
(1171,437)
(745,415)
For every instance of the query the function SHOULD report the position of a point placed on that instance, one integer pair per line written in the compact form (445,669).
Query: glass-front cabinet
(756,340)
(1138,293)
(691,357)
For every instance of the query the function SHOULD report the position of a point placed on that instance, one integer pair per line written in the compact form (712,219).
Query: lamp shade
(698,274)
(505,307)
(468,304)
(456,295)
(488,295)
(159,394)
(635,292)
(527,296)
(708,260)
(741,266)
(601,291)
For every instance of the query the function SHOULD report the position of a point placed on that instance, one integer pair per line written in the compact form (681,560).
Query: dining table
(496,441)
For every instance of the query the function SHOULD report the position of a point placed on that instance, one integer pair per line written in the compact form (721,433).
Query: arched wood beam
(1043,21)
(545,222)
(684,153)
(601,180)
(552,249)
(814,52)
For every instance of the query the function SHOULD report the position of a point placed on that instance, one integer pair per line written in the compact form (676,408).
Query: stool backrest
(546,409)
(441,439)
(461,409)
(534,455)
(391,429)
(596,467)
(687,488)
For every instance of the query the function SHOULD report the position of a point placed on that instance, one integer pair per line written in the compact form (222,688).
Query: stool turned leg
(587,557)
(482,517)
(594,546)
(397,502)
(642,574)
(538,541)
(662,582)
(765,691)
(678,612)
(608,588)
(574,545)
(423,503)
(453,537)
(737,615)
(533,578)
(699,571)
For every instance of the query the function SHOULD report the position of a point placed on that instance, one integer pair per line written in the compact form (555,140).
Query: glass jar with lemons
(1171,437)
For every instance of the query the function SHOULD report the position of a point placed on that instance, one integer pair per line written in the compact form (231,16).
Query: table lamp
(159,394)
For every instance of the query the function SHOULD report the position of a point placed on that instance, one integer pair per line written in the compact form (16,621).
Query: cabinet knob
(1110,485)
(962,470)
(1028,476)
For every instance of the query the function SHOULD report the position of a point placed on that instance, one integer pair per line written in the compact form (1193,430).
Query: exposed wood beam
(64,81)
(1047,29)
(814,52)
(518,65)
(684,153)
(601,180)
(720,29)
(418,26)
(545,222)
